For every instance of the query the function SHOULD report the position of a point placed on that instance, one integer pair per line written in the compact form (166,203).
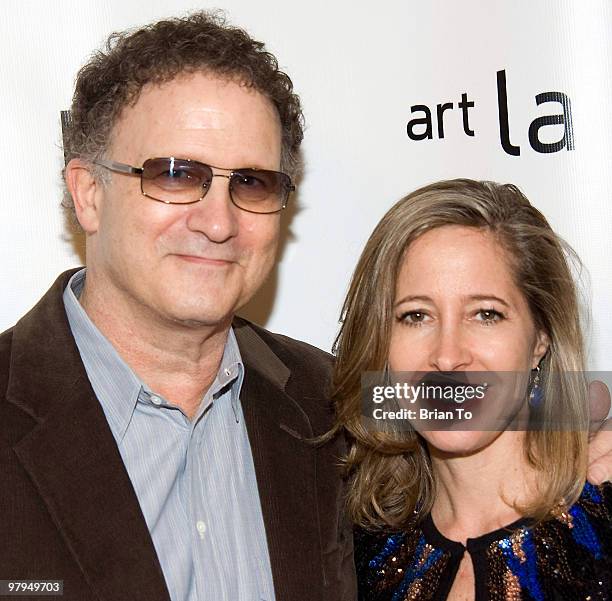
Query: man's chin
(216,313)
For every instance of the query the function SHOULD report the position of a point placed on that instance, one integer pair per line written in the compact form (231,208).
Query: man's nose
(215,215)
(450,350)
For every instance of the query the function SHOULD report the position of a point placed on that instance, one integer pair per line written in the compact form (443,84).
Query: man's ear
(85,192)
(540,349)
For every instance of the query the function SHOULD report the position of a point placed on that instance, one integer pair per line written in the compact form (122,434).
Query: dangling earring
(386,375)
(536,395)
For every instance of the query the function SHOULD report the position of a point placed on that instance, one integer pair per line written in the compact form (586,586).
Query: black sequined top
(567,558)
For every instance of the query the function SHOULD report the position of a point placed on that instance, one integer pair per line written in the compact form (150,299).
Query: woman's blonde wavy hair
(391,478)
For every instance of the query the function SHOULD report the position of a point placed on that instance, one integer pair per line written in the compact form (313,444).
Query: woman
(467,277)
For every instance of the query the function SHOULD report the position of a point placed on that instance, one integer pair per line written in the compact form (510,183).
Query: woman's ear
(540,349)
(85,191)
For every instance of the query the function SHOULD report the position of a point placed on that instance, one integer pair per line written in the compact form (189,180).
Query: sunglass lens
(175,180)
(254,185)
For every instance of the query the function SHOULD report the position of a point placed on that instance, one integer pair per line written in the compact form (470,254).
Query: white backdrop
(359,68)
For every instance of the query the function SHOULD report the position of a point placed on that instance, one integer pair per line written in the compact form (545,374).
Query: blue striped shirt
(194,479)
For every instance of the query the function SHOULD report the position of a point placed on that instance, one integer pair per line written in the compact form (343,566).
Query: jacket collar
(73,460)
(285,464)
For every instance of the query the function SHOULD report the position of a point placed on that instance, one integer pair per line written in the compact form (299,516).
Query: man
(152,445)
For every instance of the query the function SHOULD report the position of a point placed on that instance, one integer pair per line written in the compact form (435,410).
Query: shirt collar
(230,374)
(116,386)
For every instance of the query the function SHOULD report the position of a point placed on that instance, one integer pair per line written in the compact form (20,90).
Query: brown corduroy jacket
(68,510)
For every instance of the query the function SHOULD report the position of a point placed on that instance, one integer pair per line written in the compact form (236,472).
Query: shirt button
(201,526)
(228,372)
(156,400)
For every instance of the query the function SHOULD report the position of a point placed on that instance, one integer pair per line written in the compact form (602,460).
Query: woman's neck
(475,493)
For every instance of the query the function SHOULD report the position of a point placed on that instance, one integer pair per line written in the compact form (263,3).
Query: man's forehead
(200,116)
(204,116)
(200,99)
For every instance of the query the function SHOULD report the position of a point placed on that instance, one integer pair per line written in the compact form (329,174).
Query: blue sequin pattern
(520,554)
(393,542)
(583,532)
(422,563)
(567,557)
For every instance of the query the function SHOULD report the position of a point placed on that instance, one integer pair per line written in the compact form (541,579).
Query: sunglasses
(182,181)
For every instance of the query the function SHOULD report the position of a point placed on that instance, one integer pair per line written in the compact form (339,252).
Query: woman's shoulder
(377,542)
(568,556)
(591,513)
(395,564)
(370,542)
(376,558)
(588,522)
(597,497)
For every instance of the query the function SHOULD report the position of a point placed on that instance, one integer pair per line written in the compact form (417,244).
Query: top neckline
(437,539)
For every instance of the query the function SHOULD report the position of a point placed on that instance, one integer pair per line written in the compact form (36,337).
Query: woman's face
(457,309)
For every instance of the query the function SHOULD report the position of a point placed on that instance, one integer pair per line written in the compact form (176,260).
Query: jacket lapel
(72,458)
(285,465)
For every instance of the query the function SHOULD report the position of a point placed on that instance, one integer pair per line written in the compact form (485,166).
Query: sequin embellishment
(567,557)
(425,557)
(520,554)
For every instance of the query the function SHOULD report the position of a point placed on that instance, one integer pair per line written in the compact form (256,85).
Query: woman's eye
(412,318)
(489,316)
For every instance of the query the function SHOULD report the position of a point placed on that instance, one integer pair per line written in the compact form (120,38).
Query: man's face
(198,263)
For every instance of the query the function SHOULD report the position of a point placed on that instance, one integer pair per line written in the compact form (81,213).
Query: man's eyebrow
(473,297)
